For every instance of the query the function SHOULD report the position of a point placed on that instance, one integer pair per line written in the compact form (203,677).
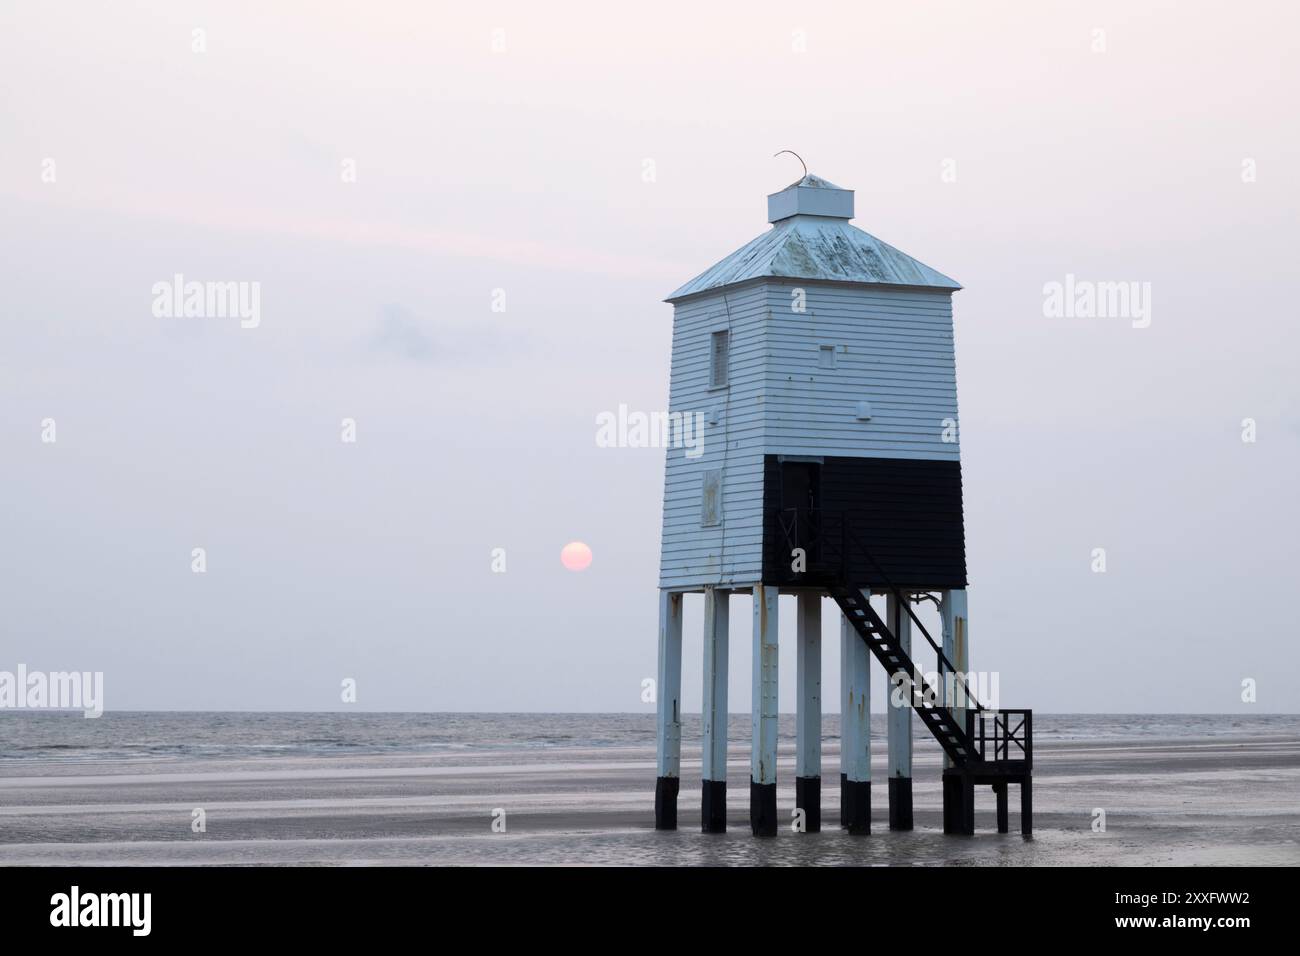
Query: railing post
(1027,784)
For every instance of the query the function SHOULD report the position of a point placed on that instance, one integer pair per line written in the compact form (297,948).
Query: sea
(27,734)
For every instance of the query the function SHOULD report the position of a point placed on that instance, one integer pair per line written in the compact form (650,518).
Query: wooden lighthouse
(819,363)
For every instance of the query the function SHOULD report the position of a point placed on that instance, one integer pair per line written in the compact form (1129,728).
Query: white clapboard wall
(838,345)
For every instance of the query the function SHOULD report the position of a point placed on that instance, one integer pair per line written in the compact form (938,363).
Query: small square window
(826,356)
(718,359)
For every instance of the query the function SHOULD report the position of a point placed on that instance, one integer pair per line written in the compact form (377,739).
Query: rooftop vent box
(810,196)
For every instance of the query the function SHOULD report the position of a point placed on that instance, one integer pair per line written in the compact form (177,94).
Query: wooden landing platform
(959,795)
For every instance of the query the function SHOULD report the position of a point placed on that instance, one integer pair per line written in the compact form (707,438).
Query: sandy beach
(1228,799)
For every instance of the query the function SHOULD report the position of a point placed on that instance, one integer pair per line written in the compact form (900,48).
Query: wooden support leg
(713,795)
(1001,790)
(808,718)
(1027,807)
(856,737)
(762,772)
(669,704)
(899,723)
(956,642)
(846,633)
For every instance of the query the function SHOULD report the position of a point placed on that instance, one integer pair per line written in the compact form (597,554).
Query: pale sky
(1163,150)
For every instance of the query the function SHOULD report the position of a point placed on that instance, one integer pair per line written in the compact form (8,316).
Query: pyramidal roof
(811,239)
(815,182)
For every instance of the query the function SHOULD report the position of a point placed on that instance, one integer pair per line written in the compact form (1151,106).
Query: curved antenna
(796,156)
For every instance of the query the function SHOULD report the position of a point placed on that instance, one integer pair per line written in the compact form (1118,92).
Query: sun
(575,556)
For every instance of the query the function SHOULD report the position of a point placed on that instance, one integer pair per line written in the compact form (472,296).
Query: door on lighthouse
(801,505)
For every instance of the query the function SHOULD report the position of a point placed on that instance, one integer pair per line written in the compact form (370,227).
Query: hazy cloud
(401,332)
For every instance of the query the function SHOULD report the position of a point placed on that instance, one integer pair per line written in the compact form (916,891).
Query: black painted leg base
(844,799)
(859,807)
(762,808)
(666,803)
(808,798)
(713,807)
(1000,790)
(958,804)
(900,803)
(1027,806)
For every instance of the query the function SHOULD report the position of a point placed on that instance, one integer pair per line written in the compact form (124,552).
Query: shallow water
(578,789)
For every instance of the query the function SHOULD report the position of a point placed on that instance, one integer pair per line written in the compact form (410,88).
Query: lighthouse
(820,361)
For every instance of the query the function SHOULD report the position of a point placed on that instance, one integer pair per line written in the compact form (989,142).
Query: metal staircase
(983,746)
(937,718)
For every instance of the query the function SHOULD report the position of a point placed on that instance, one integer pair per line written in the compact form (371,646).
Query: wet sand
(1224,800)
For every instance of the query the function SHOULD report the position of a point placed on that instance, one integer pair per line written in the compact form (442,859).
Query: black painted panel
(906,512)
